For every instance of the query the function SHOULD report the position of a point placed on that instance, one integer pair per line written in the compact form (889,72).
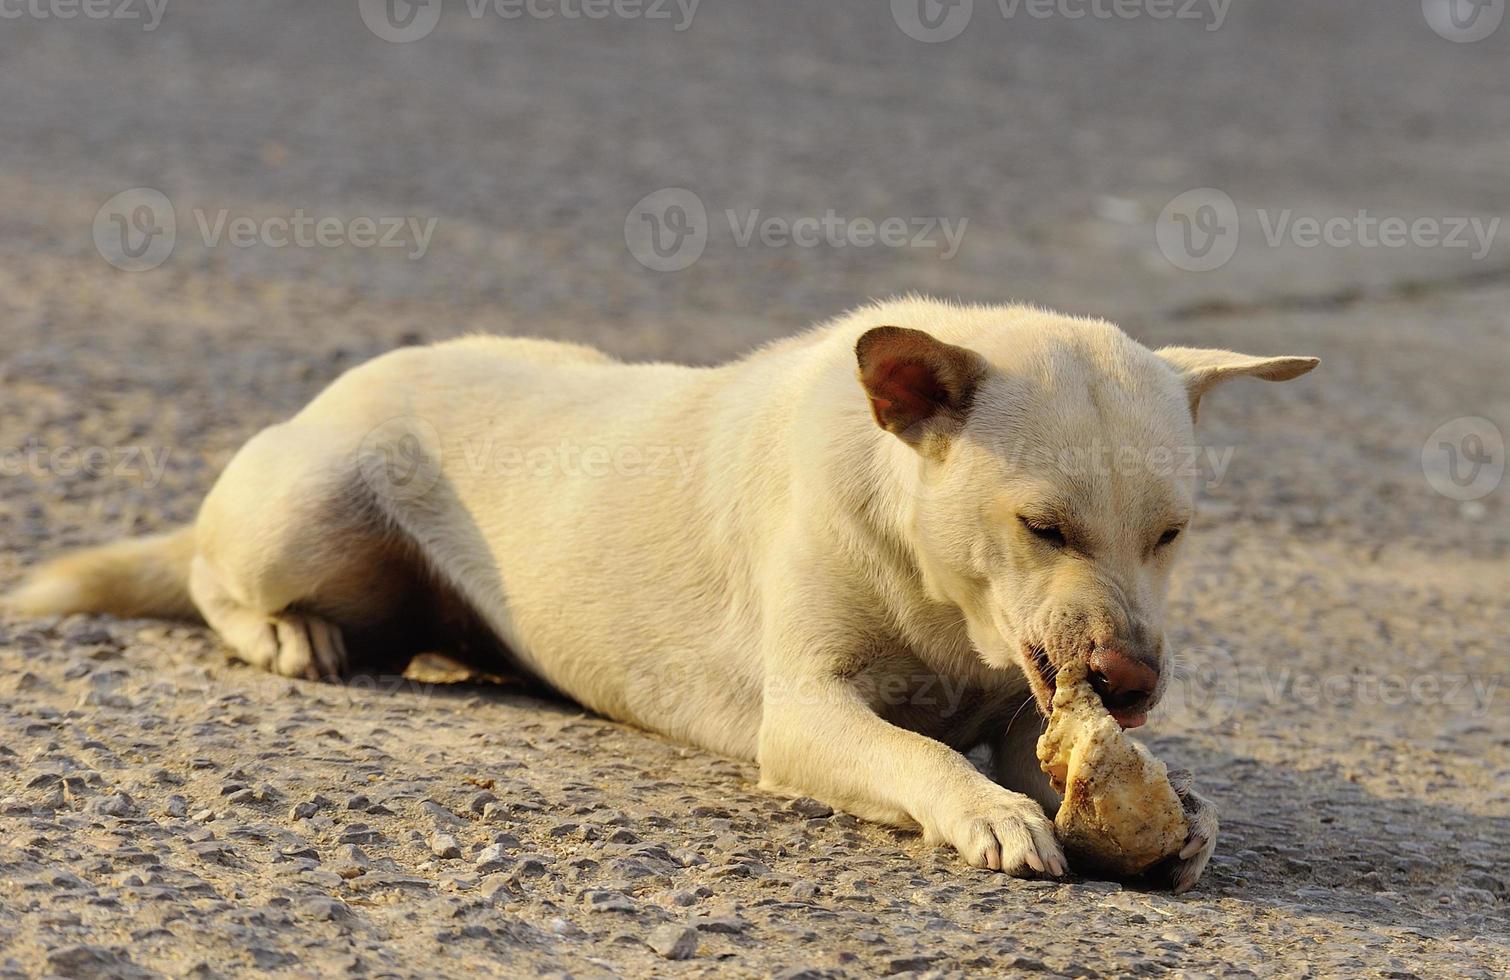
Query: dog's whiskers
(1015,715)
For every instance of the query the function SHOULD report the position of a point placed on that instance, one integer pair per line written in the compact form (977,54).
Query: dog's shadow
(1314,842)
(1309,842)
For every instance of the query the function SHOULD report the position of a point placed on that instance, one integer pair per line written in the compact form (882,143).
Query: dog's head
(1049,473)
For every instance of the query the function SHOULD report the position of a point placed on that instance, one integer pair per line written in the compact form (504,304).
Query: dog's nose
(1126,685)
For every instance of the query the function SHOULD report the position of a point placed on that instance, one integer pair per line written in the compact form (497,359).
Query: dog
(853,556)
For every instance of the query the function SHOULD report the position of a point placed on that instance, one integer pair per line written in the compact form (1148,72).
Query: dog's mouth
(1042,678)
(1133,714)
(1041,674)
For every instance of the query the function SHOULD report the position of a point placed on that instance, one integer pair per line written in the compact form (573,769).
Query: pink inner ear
(905,391)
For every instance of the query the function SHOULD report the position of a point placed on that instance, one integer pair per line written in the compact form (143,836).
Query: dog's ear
(1203,368)
(918,385)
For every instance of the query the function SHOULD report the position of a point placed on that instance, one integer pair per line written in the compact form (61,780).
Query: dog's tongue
(1130,719)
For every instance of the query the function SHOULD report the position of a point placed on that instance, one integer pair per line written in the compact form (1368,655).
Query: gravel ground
(1338,620)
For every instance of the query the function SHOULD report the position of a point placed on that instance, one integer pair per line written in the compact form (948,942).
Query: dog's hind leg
(292,560)
(289,643)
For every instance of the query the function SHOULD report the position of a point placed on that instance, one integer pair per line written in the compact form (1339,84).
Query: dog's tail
(131,578)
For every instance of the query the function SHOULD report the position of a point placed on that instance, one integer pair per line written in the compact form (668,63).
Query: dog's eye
(1045,532)
(1169,536)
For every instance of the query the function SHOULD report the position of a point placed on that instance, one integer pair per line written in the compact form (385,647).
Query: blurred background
(230,202)
(210,208)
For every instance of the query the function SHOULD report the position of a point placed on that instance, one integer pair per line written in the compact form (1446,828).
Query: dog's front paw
(1001,830)
(1200,814)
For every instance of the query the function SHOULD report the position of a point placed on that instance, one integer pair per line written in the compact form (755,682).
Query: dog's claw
(1201,844)
(1002,831)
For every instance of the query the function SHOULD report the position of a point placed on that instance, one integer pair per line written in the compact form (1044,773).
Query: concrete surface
(1341,618)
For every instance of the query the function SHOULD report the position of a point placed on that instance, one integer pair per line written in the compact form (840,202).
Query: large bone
(1120,815)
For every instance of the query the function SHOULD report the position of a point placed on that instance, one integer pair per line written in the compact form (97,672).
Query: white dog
(851,582)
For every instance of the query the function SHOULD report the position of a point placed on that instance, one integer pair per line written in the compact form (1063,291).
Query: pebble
(673,942)
(810,809)
(603,900)
(445,846)
(440,816)
(492,858)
